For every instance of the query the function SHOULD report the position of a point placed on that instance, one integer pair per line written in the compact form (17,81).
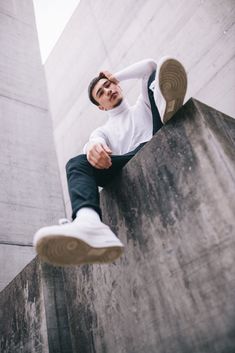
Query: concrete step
(173,289)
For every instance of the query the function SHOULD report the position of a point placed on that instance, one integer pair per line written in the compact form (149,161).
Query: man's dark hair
(92,85)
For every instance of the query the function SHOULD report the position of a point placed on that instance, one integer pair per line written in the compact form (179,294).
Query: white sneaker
(170,87)
(75,243)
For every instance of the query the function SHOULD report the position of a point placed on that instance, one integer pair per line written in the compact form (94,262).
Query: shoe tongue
(87,214)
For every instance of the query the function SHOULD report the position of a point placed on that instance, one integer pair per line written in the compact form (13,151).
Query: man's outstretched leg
(169,87)
(87,239)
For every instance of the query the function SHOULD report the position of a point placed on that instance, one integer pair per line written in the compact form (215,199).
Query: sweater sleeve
(97,136)
(140,70)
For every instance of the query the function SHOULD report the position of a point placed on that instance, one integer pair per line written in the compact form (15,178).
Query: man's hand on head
(98,155)
(109,76)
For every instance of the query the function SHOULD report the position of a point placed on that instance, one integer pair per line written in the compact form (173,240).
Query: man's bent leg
(82,186)
(86,239)
(157,123)
(170,87)
(83,180)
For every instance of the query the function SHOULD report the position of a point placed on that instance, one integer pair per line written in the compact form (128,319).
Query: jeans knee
(75,161)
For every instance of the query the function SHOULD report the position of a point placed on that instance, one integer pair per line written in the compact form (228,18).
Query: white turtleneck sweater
(128,126)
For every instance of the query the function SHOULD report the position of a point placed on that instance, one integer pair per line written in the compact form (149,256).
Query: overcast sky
(51,18)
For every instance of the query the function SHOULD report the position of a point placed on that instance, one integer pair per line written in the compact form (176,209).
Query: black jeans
(83,179)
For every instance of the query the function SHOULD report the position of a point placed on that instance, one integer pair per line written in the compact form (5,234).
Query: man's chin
(117,103)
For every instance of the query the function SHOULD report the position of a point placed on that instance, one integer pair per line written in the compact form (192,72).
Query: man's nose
(109,92)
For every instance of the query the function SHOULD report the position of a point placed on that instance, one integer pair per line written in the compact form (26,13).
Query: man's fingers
(107,149)
(98,156)
(113,79)
(100,149)
(109,76)
(103,152)
(106,73)
(99,165)
(97,151)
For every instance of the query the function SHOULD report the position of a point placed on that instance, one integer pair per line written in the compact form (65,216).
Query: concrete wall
(23,326)
(173,208)
(172,291)
(110,35)
(33,313)
(30,193)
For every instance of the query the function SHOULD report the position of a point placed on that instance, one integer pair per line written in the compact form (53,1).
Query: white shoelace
(64,221)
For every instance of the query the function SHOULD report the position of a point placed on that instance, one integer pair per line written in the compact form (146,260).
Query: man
(87,239)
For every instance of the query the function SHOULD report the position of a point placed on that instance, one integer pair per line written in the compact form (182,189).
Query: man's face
(107,94)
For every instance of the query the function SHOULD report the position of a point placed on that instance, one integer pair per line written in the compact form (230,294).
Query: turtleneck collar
(119,109)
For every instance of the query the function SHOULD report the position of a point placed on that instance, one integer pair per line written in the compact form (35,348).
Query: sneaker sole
(66,251)
(172,85)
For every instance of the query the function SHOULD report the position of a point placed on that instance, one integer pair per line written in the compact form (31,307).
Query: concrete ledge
(173,289)
(173,207)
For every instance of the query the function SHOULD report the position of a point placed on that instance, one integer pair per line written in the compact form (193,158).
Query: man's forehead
(98,85)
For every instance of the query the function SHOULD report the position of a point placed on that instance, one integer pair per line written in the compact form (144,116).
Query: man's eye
(107,84)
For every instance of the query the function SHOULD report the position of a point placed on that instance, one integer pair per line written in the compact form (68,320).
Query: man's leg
(157,123)
(83,180)
(86,239)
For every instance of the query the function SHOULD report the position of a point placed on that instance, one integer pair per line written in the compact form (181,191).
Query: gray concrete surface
(30,194)
(111,35)
(173,289)
(23,326)
(58,327)
(33,313)
(173,207)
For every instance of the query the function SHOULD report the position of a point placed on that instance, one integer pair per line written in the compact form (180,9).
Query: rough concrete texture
(30,194)
(22,315)
(173,289)
(58,329)
(12,259)
(106,35)
(173,208)
(33,315)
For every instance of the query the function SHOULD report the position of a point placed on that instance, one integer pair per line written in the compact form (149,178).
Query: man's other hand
(98,155)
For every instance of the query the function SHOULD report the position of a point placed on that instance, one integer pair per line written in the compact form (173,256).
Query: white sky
(51,18)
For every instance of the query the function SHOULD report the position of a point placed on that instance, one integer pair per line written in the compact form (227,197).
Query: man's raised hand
(98,155)
(109,76)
